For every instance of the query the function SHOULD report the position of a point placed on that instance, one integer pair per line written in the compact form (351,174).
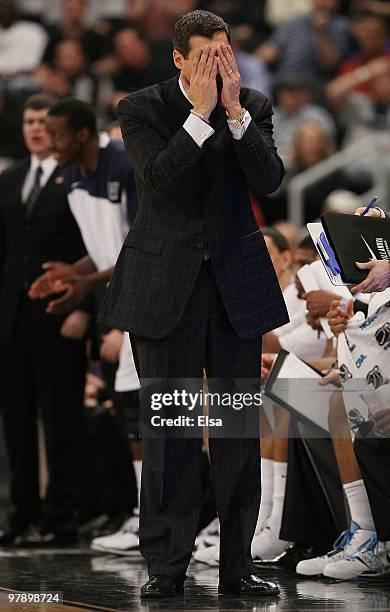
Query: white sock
(138,470)
(280,477)
(359,506)
(267,487)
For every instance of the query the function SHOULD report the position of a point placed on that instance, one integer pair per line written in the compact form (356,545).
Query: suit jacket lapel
(179,106)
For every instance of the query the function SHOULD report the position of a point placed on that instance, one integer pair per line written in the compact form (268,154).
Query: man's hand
(313,322)
(338,319)
(74,288)
(202,87)
(228,69)
(378,278)
(318,302)
(372,212)
(381,423)
(44,285)
(75,325)
(267,360)
(111,345)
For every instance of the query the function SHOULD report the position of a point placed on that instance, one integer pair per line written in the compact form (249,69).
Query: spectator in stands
(22,42)
(68,75)
(312,145)
(72,25)
(156,18)
(342,201)
(311,45)
(295,107)
(254,73)
(371,35)
(139,63)
(278,12)
(361,114)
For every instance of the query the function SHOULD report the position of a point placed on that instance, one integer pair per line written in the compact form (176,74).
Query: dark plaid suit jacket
(193,200)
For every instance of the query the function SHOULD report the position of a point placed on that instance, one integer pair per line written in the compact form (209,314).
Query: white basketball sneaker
(365,559)
(266,545)
(123,542)
(345,545)
(209,535)
(208,555)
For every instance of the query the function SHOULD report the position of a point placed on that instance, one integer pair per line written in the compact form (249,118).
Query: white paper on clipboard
(315,230)
(297,386)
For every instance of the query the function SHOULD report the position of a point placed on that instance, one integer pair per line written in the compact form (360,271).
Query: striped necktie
(35,192)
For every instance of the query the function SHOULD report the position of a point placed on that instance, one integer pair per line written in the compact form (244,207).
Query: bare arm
(340,87)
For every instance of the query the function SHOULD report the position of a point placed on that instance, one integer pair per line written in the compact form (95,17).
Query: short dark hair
(307,243)
(78,114)
(277,238)
(197,23)
(40,101)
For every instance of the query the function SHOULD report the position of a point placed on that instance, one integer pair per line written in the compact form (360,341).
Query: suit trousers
(172,469)
(44,372)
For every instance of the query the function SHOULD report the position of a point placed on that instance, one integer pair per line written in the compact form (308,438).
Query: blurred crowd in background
(324,63)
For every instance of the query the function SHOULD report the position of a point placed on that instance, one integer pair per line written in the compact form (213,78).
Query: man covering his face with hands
(195,287)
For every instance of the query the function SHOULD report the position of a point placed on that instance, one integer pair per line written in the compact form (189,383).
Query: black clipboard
(356,238)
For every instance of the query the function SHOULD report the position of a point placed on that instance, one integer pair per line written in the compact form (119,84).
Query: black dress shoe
(161,586)
(249,586)
(293,554)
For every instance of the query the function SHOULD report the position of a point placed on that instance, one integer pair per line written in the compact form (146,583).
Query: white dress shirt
(48,166)
(200,130)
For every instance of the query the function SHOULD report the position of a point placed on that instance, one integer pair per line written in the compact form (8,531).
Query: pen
(370,205)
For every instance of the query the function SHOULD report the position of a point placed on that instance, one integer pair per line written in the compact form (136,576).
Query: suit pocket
(252,242)
(144,242)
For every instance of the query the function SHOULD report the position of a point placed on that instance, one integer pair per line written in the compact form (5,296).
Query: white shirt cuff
(198,129)
(239,128)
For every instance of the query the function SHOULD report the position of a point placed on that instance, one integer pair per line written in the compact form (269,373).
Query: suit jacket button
(200,245)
